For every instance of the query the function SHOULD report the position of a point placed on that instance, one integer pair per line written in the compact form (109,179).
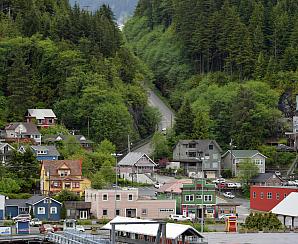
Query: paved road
(167,118)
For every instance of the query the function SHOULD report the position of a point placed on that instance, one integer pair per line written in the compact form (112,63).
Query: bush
(103,221)
(84,222)
(226,173)
(259,221)
(8,223)
(17,195)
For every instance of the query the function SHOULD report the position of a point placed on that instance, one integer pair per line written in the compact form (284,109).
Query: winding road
(167,119)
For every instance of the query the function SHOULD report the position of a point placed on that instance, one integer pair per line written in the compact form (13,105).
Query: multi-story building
(42,117)
(195,197)
(232,159)
(126,202)
(57,175)
(264,198)
(196,156)
(5,152)
(45,152)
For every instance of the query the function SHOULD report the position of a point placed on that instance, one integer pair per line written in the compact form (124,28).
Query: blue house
(44,208)
(2,207)
(45,152)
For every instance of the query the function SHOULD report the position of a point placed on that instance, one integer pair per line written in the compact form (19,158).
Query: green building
(194,198)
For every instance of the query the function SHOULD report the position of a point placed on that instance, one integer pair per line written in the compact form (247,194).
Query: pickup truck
(177,217)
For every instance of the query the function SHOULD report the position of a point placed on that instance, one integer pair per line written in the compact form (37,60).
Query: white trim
(44,199)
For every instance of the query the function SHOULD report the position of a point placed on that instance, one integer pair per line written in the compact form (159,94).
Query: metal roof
(21,203)
(52,150)
(263,177)
(41,113)
(243,153)
(173,231)
(288,206)
(31,128)
(132,158)
(202,145)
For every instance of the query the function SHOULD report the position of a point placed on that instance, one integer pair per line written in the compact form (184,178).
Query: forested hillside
(121,8)
(224,65)
(59,57)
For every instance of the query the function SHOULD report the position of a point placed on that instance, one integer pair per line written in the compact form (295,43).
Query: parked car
(157,185)
(177,217)
(238,185)
(45,228)
(277,173)
(229,194)
(22,217)
(231,185)
(219,180)
(164,131)
(80,228)
(35,222)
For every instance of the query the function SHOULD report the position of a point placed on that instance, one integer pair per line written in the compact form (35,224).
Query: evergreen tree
(184,120)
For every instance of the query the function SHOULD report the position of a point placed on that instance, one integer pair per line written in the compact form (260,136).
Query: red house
(42,117)
(264,198)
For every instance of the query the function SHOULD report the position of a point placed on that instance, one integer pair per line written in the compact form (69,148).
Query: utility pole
(116,155)
(128,144)
(88,126)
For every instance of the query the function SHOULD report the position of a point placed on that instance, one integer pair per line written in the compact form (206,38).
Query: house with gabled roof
(135,164)
(196,156)
(81,139)
(22,132)
(6,151)
(57,175)
(232,158)
(42,207)
(45,152)
(42,117)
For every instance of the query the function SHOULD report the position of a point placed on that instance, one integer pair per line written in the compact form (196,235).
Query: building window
(285,195)
(117,212)
(130,198)
(104,212)
(258,161)
(105,197)
(210,211)
(41,210)
(46,200)
(208,198)
(171,210)
(262,195)
(277,196)
(67,185)
(118,197)
(254,194)
(192,154)
(210,147)
(53,210)
(189,198)
(75,184)
(144,211)
(269,195)
(198,197)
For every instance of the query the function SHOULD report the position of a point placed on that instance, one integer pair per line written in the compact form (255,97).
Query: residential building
(49,152)
(2,207)
(5,152)
(43,208)
(264,198)
(82,140)
(135,164)
(22,132)
(77,209)
(197,198)
(147,233)
(223,208)
(196,156)
(266,179)
(107,203)
(57,175)
(41,117)
(232,160)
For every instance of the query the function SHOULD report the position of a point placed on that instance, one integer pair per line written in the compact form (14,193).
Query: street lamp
(116,155)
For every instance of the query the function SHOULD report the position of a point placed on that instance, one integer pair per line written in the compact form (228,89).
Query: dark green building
(194,196)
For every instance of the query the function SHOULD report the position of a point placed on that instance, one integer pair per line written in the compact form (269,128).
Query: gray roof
(52,150)
(53,138)
(37,198)
(132,158)
(243,153)
(263,177)
(2,145)
(202,145)
(30,127)
(16,202)
(41,113)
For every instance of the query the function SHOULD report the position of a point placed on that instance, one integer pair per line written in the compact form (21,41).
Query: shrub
(259,221)
(84,222)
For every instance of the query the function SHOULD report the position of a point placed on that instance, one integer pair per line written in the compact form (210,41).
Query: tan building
(127,203)
(57,175)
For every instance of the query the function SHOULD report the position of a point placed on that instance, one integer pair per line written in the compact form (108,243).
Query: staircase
(293,166)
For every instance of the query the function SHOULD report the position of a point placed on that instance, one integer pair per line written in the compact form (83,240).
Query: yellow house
(57,175)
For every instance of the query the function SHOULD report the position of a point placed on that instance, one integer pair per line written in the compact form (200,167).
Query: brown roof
(53,166)
(31,128)
(174,187)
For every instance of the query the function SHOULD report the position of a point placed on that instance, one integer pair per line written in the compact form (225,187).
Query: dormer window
(64,173)
(210,147)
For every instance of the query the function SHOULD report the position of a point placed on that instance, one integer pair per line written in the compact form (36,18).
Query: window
(192,145)
(207,198)
(104,212)
(262,195)
(167,210)
(189,198)
(41,210)
(210,147)
(269,195)
(105,197)
(63,173)
(130,198)
(118,197)
(192,154)
(258,161)
(53,210)
(277,196)
(50,121)
(215,156)
(285,195)
(67,185)
(47,200)
(198,197)
(75,184)
(117,212)
(210,211)
(144,211)
(254,194)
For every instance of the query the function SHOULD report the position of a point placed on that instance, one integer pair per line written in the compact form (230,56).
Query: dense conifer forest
(76,62)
